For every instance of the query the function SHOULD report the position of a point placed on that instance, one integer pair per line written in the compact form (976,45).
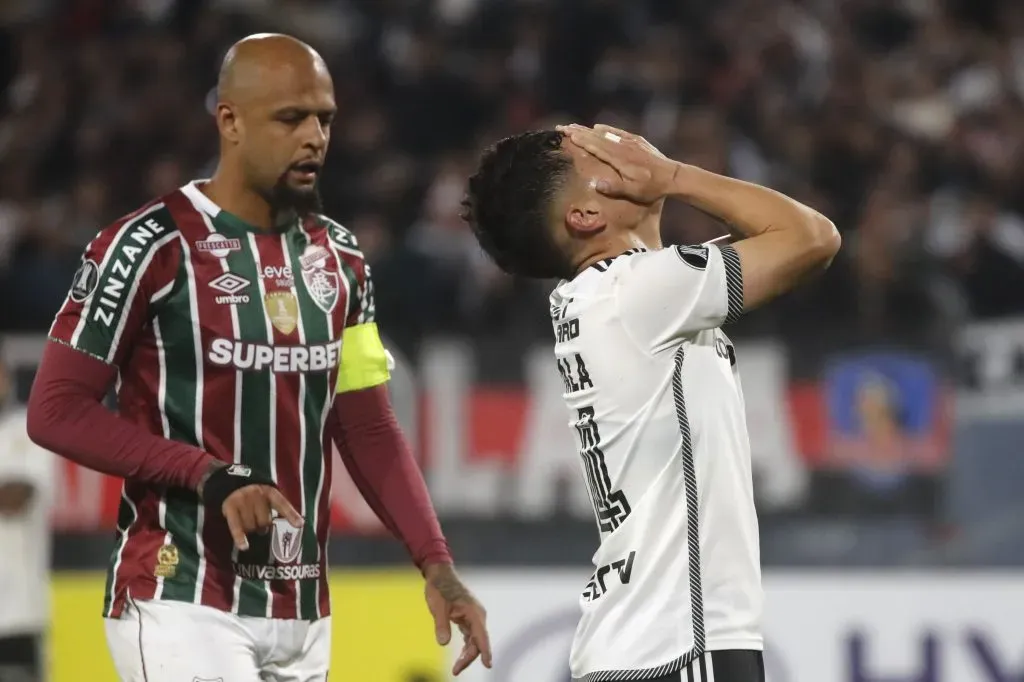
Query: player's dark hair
(508,204)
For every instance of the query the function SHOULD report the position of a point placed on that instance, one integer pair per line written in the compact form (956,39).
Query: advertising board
(381,629)
(819,627)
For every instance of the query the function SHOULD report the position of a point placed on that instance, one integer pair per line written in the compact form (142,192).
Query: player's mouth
(306,171)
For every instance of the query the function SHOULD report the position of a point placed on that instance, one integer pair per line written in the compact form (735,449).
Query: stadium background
(886,399)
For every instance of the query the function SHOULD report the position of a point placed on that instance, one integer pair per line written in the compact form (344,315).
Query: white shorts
(168,641)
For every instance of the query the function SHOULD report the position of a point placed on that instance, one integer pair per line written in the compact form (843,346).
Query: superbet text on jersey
(235,341)
(655,402)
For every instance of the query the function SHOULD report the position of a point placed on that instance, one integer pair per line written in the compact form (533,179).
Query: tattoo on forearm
(450,587)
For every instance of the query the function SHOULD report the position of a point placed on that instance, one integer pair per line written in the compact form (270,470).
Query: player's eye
(291,117)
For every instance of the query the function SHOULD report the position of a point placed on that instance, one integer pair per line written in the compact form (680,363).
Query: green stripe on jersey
(255,432)
(316,328)
(177,329)
(122,270)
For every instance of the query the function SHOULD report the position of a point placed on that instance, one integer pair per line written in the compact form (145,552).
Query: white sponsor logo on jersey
(232,299)
(259,357)
(321,283)
(121,272)
(218,245)
(270,572)
(280,275)
(85,281)
(231,284)
(314,257)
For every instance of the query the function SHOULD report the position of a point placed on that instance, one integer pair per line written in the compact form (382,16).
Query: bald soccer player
(238,323)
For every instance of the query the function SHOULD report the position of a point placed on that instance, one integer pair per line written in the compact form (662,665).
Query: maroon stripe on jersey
(219,580)
(218,419)
(140,385)
(288,431)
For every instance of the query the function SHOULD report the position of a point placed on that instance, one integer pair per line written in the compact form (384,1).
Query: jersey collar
(200,200)
(205,204)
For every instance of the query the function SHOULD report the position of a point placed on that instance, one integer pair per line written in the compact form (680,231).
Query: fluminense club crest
(321,283)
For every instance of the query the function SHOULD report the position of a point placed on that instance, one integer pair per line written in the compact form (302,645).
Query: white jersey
(655,401)
(25,538)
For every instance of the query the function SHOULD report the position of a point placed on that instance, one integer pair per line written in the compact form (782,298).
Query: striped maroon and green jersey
(234,340)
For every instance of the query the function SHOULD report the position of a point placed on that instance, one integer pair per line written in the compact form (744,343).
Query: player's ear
(586,217)
(228,122)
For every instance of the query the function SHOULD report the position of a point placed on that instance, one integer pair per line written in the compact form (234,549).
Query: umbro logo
(230,284)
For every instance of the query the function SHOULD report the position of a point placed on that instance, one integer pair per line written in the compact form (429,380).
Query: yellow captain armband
(364,362)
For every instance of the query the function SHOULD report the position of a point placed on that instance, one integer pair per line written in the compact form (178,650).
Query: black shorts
(21,659)
(721,666)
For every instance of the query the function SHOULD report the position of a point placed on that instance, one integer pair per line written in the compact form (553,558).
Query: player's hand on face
(641,173)
(450,602)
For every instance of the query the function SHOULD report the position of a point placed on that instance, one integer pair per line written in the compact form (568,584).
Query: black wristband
(226,480)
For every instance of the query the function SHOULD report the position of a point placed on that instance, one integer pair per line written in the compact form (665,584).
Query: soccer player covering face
(239,324)
(651,384)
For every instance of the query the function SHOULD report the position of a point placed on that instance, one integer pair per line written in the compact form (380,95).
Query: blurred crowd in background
(885,399)
(900,119)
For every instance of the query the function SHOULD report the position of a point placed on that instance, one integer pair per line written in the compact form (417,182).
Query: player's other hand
(641,173)
(247,500)
(450,602)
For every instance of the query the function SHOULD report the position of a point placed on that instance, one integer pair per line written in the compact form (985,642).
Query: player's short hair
(508,204)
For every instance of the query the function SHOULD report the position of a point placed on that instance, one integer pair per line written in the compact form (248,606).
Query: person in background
(651,382)
(26,476)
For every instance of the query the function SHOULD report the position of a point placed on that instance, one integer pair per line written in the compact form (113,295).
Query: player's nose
(317,134)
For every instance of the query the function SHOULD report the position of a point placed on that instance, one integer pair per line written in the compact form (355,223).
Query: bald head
(258,61)
(274,112)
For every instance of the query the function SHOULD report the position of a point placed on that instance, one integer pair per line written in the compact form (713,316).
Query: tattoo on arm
(450,587)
